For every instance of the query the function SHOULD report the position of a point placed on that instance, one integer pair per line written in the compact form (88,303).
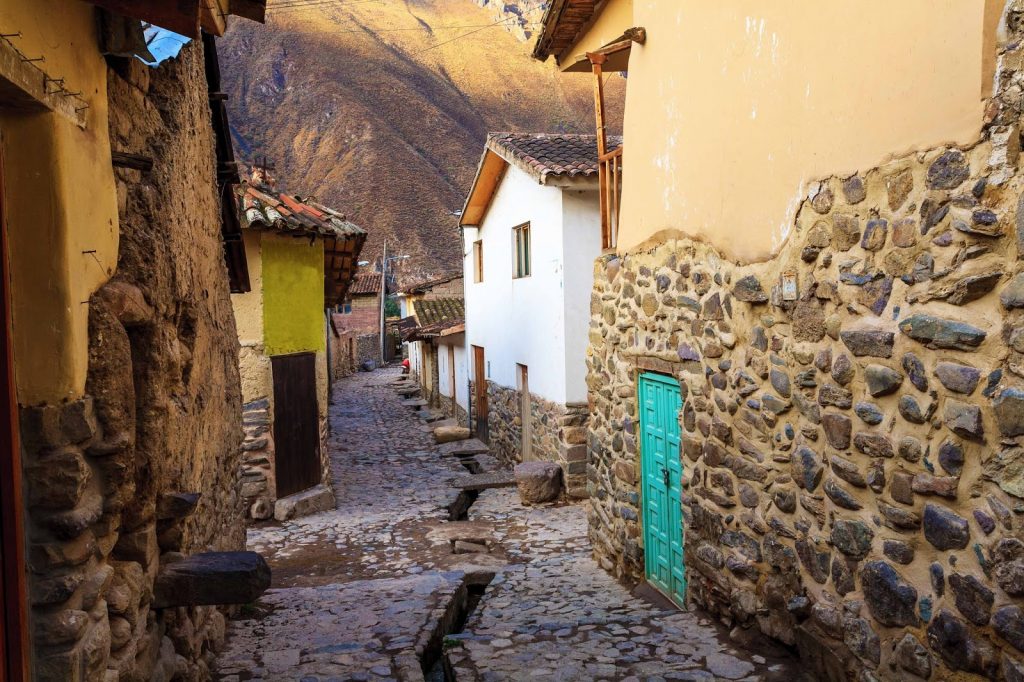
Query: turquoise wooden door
(660,402)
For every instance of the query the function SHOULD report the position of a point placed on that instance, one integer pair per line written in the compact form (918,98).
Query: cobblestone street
(373,591)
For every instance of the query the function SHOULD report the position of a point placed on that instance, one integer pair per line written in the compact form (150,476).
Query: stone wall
(258,484)
(558,433)
(162,415)
(852,413)
(342,351)
(368,349)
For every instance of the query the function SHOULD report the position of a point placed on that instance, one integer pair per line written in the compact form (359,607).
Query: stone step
(493,479)
(211,578)
(415,402)
(464,448)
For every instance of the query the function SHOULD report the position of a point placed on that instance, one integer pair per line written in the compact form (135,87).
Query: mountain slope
(380,107)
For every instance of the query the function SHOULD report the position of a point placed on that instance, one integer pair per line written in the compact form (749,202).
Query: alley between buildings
(386,585)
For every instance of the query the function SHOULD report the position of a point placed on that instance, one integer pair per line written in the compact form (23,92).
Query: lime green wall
(293,295)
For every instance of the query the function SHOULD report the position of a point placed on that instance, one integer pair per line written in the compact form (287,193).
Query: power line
(304,4)
(499,21)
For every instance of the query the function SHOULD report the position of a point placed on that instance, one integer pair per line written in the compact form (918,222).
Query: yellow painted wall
(293,295)
(282,313)
(60,201)
(734,107)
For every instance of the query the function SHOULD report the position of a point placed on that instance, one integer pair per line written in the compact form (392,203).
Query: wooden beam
(213,16)
(596,61)
(180,16)
(127,160)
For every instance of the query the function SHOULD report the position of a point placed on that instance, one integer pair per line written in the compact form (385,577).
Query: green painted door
(660,402)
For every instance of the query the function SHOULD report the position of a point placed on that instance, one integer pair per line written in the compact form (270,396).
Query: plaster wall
(461,369)
(532,306)
(254,364)
(63,225)
(293,308)
(581,244)
(734,108)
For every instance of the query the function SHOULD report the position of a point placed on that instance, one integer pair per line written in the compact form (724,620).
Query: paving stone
(359,588)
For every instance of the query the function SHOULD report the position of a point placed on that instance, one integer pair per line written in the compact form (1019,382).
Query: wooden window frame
(522,251)
(478,261)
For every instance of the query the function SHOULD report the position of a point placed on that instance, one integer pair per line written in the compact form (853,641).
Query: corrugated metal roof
(267,209)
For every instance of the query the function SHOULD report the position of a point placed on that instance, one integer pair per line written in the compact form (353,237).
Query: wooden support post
(596,62)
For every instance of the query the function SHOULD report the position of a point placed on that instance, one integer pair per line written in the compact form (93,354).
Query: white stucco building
(531,231)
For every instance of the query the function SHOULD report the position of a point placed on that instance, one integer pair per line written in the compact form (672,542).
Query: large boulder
(538,482)
(448,434)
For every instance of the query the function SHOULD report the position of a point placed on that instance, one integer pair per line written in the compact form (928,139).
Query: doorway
(296,423)
(525,413)
(661,467)
(480,394)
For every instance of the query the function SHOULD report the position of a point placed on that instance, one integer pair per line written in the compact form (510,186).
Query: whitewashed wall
(581,232)
(525,320)
(461,369)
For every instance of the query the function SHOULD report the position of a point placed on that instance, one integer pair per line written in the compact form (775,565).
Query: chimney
(261,173)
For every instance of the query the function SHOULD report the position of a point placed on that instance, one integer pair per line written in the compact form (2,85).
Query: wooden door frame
(480,377)
(525,403)
(314,464)
(667,379)
(13,603)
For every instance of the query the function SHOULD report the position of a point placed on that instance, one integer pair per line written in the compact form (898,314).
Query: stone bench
(211,578)
(493,479)
(465,448)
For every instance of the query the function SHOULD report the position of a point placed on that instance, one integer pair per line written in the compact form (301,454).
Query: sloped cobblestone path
(361,592)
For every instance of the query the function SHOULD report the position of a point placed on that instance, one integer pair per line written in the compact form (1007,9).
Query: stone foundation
(258,483)
(558,433)
(853,413)
(259,486)
(452,409)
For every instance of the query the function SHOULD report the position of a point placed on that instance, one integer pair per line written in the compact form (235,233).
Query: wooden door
(525,414)
(296,423)
(661,489)
(14,664)
(480,393)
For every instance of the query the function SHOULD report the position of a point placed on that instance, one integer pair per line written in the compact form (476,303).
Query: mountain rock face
(380,108)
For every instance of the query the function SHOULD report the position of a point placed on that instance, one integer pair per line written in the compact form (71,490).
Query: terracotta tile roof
(365,283)
(550,154)
(561,25)
(439,310)
(261,207)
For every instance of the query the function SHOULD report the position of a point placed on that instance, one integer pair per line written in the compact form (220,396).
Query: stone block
(58,480)
(448,434)
(538,482)
(212,578)
(317,499)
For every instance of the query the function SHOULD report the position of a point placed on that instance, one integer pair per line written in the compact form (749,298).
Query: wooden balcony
(610,178)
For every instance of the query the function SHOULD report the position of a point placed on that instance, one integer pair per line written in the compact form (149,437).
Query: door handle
(665,477)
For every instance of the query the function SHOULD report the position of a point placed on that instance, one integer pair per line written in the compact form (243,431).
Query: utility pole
(383,295)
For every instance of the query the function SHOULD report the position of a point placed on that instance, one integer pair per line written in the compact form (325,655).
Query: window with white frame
(521,242)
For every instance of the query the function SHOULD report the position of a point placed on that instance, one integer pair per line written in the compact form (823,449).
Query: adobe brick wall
(162,414)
